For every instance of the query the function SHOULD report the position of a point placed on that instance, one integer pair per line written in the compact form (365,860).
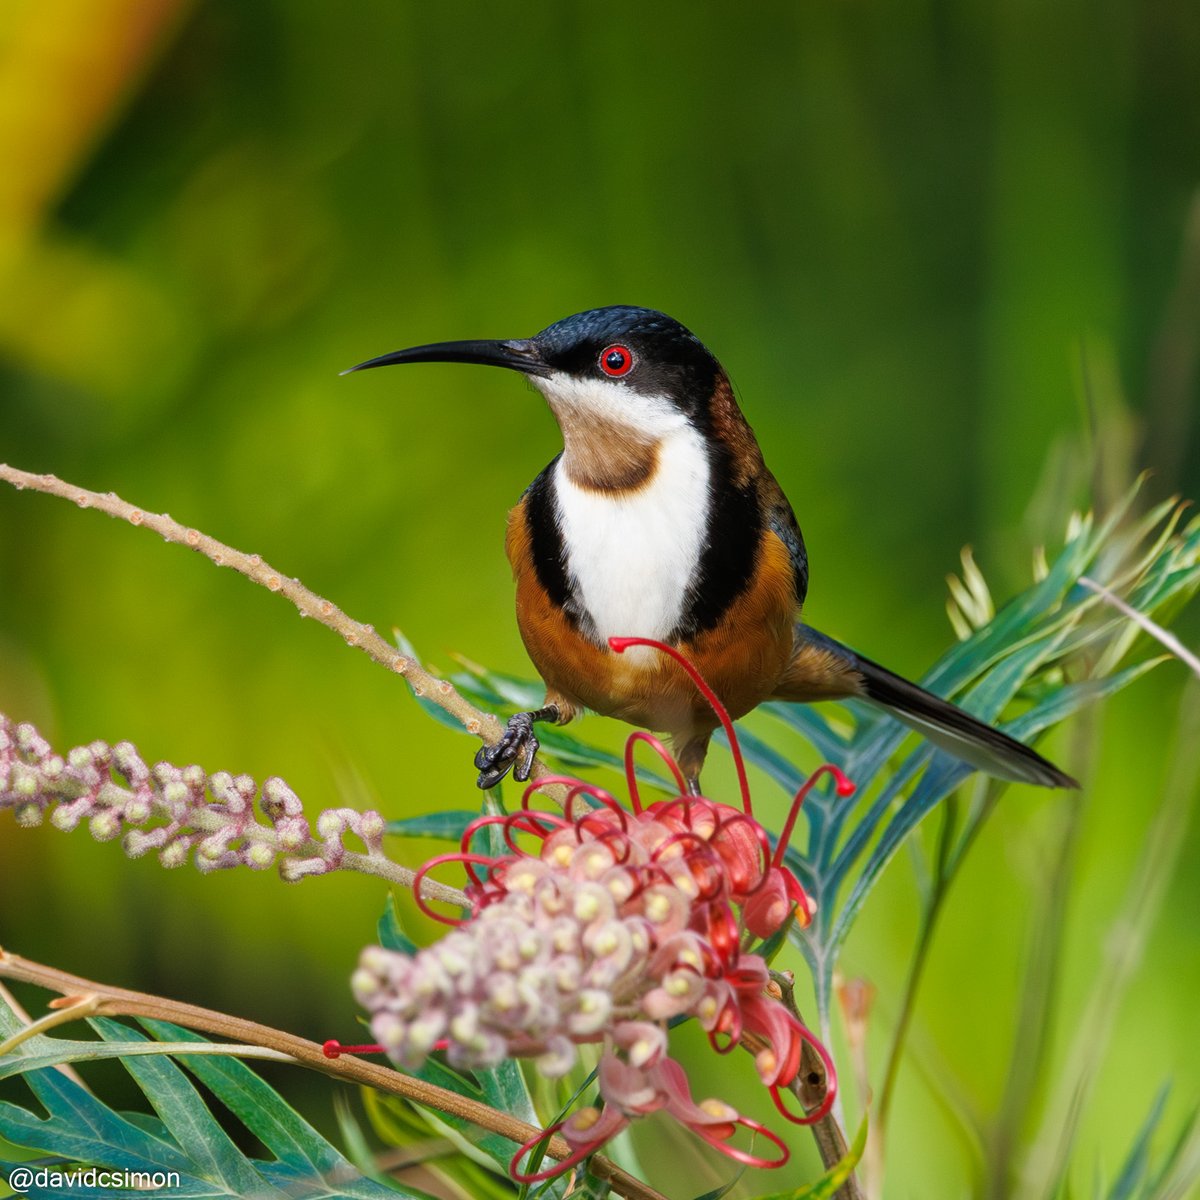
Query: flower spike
(606,924)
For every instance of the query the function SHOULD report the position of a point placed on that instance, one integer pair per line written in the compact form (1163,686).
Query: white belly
(632,556)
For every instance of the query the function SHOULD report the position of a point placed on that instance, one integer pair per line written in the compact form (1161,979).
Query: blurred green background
(918,235)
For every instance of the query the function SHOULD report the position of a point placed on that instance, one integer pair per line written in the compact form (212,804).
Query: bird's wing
(782,522)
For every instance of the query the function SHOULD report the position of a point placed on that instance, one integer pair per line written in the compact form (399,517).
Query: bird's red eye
(616,361)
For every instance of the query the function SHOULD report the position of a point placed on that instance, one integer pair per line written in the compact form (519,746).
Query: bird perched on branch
(660,520)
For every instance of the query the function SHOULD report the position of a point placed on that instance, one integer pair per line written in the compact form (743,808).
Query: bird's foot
(514,751)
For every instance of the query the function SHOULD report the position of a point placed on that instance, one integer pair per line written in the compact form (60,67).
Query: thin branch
(810,1087)
(120,1002)
(1156,631)
(308,603)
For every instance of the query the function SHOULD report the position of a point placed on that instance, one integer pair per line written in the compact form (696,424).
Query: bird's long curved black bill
(520,356)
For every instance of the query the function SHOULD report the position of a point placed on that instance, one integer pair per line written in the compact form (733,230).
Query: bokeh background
(949,252)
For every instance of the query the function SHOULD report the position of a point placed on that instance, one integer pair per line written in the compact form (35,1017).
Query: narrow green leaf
(1073,696)
(67,1051)
(570,751)
(725,1188)
(505,1090)
(525,695)
(1179,1172)
(1134,1171)
(152,1125)
(833,872)
(946,777)
(78,1127)
(768,760)
(479,693)
(439,714)
(815,727)
(390,934)
(354,1138)
(448,826)
(184,1138)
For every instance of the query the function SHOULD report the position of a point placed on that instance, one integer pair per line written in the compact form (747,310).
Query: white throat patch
(610,401)
(632,555)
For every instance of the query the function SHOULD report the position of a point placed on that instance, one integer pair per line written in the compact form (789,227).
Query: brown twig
(810,1087)
(308,603)
(120,1002)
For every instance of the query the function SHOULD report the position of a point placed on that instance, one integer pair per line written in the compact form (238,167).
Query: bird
(659,519)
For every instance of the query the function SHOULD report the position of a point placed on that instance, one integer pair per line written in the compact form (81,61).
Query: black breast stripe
(549,552)
(730,554)
(545,537)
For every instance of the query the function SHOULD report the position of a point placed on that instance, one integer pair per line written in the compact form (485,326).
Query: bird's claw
(514,751)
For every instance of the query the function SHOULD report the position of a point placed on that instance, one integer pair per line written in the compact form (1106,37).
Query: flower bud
(175,853)
(105,826)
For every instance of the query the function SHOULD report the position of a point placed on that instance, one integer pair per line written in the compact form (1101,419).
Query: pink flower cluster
(620,923)
(168,810)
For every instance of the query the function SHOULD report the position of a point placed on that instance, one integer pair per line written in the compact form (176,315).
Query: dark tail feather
(946,725)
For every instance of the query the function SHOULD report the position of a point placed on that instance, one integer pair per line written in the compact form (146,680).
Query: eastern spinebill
(660,520)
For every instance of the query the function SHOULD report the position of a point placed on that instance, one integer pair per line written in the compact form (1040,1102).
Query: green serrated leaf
(286,1134)
(183,1138)
(179,1106)
(80,1128)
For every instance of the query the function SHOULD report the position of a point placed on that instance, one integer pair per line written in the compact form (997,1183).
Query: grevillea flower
(622,922)
(177,812)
